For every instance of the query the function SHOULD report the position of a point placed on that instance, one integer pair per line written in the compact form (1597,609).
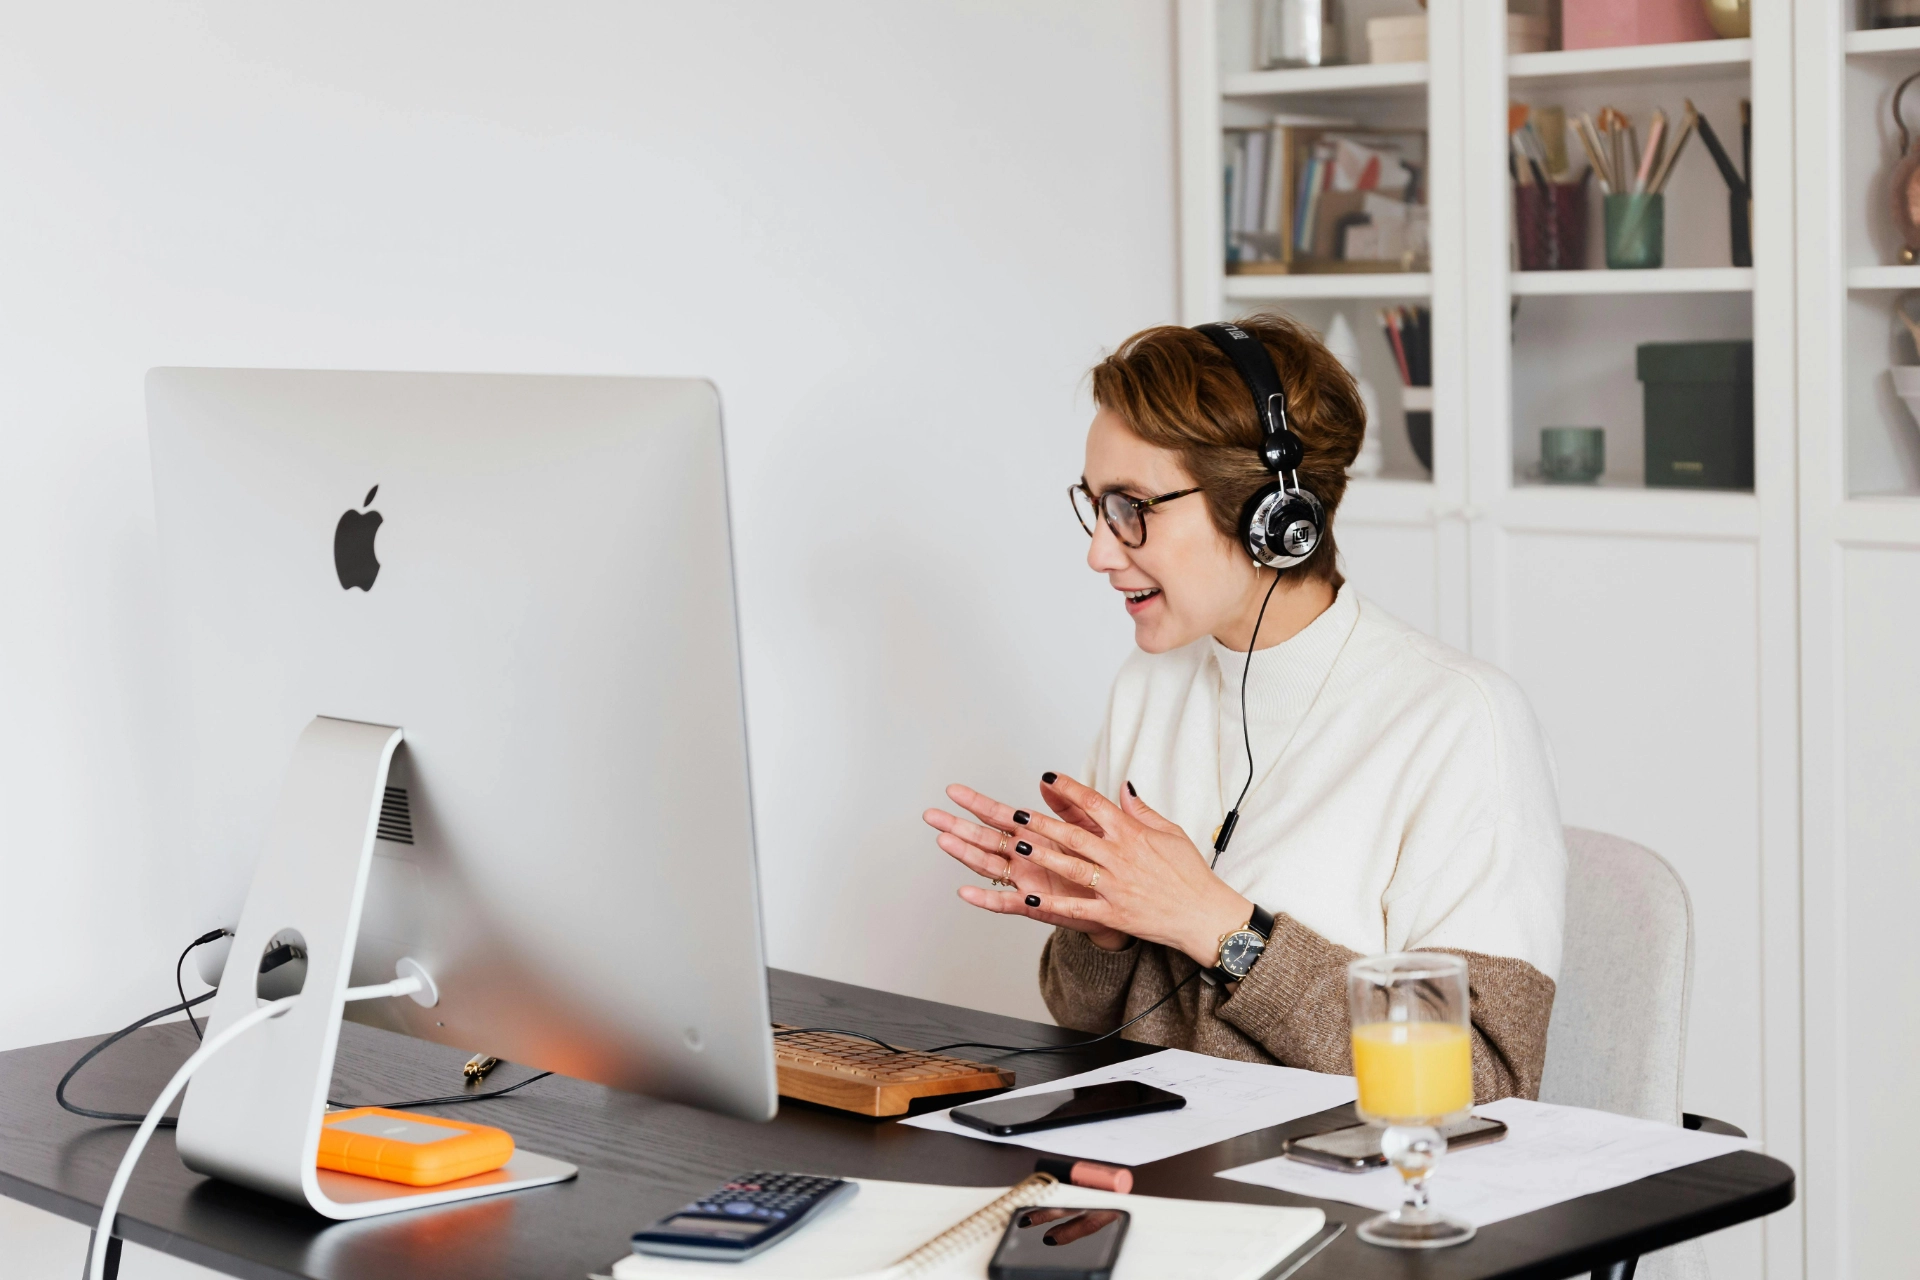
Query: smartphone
(1060,1244)
(1004,1117)
(1357,1147)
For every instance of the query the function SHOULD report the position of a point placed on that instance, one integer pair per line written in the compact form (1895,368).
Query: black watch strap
(1261,922)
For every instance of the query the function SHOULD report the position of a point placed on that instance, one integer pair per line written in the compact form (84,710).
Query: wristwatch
(1240,948)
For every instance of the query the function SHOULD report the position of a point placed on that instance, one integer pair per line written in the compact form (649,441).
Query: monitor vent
(396,817)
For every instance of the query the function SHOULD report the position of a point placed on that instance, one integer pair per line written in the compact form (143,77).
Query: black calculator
(747,1215)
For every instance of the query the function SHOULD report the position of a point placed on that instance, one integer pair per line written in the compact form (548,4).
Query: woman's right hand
(979,847)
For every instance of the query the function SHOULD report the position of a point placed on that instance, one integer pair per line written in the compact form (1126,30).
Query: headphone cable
(1002,1048)
(1232,819)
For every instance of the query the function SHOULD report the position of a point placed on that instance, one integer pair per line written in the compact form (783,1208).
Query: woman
(1395,794)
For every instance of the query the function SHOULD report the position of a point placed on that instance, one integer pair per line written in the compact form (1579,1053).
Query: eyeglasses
(1127,517)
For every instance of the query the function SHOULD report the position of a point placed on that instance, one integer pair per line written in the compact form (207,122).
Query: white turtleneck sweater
(1403,799)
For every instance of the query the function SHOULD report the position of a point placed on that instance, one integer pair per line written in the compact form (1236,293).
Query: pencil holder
(1636,230)
(1550,223)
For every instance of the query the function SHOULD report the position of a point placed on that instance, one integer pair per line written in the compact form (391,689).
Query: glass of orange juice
(1413,1060)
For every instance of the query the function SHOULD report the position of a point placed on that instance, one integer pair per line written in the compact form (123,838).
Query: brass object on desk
(1903,184)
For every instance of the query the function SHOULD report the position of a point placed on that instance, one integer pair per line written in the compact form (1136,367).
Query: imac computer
(461,679)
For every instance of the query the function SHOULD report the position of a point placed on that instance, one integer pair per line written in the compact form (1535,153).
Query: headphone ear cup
(1280,528)
(1253,521)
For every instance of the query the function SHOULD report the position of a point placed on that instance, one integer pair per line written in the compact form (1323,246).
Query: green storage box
(1699,414)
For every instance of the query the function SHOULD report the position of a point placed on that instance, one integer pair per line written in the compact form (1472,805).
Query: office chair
(1617,1039)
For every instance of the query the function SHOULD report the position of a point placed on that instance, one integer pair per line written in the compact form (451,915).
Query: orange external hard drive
(421,1151)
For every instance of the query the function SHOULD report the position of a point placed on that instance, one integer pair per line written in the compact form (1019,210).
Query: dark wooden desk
(640,1158)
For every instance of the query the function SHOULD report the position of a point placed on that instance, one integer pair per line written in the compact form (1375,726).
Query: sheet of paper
(1550,1154)
(1167,1239)
(1224,1100)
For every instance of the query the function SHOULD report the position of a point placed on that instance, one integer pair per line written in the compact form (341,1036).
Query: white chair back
(1617,1041)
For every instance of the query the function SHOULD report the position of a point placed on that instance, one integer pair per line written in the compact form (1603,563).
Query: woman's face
(1187,580)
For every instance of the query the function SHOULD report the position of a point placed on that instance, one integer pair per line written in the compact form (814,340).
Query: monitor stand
(252,1113)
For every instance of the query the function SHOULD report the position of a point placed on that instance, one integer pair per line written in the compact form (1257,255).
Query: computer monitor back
(532,577)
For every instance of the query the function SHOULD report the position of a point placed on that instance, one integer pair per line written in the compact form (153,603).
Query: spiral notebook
(909,1231)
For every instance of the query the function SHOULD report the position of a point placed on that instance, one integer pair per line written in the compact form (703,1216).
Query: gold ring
(1003,842)
(1095,882)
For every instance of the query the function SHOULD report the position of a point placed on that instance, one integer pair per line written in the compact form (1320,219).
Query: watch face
(1240,950)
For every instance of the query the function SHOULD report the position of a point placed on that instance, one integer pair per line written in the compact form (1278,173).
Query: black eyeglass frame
(1139,505)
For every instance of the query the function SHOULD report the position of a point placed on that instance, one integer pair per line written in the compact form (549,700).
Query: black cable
(447,1101)
(210,935)
(1232,819)
(842,1031)
(272,961)
(1004,1048)
(60,1090)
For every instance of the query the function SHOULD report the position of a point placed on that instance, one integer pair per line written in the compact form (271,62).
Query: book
(910,1231)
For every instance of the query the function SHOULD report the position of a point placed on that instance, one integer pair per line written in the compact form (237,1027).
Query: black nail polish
(1033,899)
(1022,817)
(1024,849)
(1132,792)
(1049,777)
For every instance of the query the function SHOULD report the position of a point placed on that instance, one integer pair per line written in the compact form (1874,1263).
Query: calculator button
(740,1207)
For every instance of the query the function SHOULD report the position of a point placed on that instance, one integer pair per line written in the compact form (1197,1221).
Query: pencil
(1679,144)
(1653,150)
(1590,143)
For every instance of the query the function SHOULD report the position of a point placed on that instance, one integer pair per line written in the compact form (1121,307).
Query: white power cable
(97,1259)
(102,1233)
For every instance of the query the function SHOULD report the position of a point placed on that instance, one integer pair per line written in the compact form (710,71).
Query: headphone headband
(1279,448)
(1282,523)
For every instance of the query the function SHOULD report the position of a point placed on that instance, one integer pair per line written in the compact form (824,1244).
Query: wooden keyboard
(851,1074)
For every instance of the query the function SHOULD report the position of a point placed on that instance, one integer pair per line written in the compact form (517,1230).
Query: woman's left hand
(1143,876)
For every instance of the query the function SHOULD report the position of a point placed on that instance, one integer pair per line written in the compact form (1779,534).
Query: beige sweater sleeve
(1291,1009)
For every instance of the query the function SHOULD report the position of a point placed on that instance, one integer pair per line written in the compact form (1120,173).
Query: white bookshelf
(1567,284)
(1368,78)
(1282,288)
(1656,630)
(1684,64)
(1888,43)
(1859,579)
(1884,279)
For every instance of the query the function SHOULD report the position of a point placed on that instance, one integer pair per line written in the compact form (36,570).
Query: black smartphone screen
(1004,1116)
(1060,1244)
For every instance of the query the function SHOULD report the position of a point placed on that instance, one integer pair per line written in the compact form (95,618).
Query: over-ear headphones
(1281,524)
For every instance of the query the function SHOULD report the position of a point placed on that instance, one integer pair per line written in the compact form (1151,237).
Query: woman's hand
(1119,868)
(999,851)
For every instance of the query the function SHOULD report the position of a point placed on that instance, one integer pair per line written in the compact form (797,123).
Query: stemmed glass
(1413,1059)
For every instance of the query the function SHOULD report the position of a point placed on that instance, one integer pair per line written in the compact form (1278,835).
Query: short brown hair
(1175,389)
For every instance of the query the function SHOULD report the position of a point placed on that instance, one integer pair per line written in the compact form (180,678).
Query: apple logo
(353,557)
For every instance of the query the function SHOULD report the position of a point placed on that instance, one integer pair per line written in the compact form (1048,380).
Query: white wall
(896,235)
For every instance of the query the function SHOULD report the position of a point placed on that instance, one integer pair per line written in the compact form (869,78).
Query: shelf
(1381,284)
(1630,510)
(1884,43)
(1363,77)
(1538,284)
(1688,61)
(1891,278)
